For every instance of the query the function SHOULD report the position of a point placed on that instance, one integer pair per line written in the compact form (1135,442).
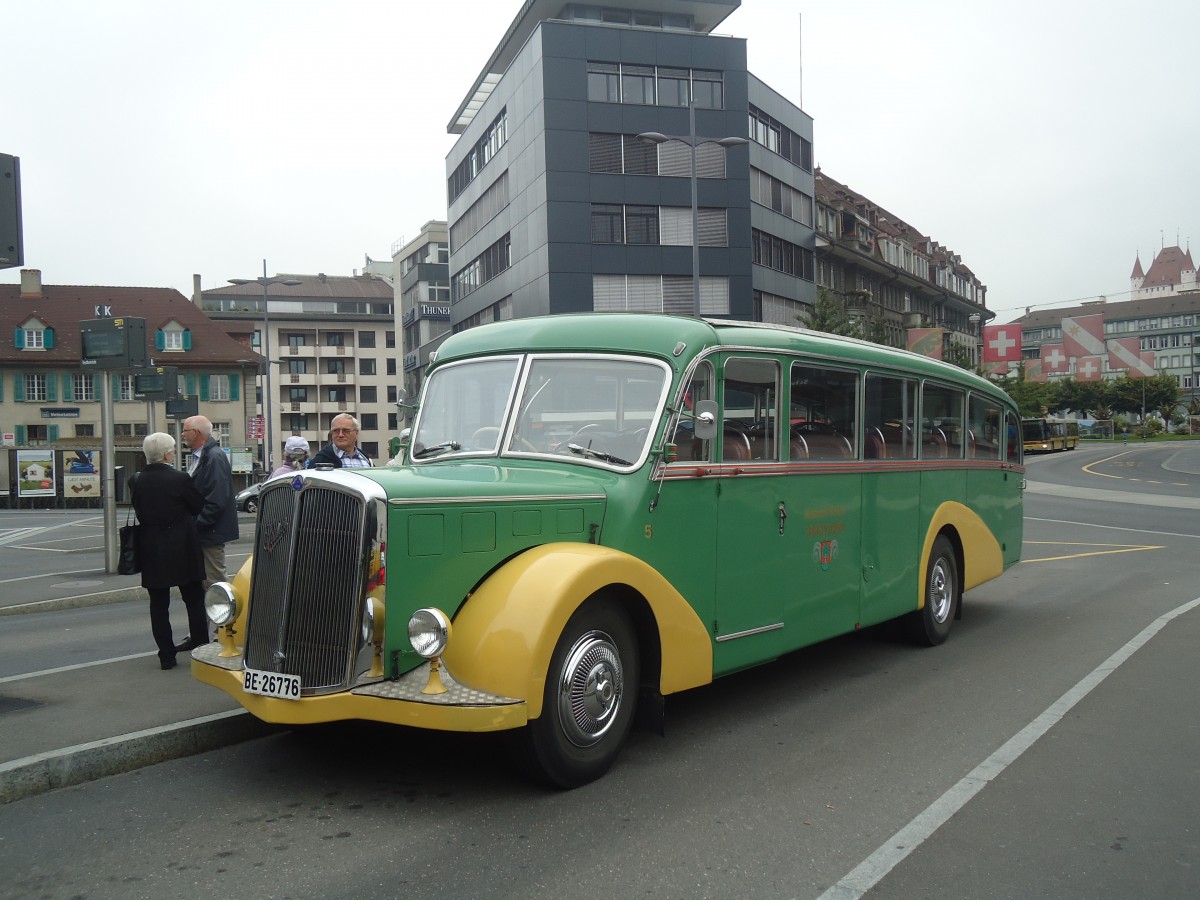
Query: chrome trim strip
(748,632)
(491,498)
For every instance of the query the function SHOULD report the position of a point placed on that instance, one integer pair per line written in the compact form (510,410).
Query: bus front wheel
(930,625)
(589,699)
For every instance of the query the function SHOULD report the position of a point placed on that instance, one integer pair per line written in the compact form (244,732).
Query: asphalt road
(1048,749)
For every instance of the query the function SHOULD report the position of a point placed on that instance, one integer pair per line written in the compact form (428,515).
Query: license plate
(271,684)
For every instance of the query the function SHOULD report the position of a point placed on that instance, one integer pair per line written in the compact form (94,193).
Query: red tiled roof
(62,307)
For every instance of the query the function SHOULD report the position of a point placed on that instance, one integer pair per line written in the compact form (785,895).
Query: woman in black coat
(166,503)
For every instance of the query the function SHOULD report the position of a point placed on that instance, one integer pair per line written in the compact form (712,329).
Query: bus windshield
(585,408)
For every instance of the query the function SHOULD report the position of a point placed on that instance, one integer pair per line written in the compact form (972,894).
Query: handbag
(127,555)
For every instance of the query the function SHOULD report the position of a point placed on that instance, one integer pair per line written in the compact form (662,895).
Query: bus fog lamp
(429,632)
(220,603)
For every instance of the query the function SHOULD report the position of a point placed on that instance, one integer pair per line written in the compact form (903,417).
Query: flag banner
(1001,343)
(926,341)
(1124,354)
(1087,368)
(1054,361)
(995,370)
(1034,371)
(1084,335)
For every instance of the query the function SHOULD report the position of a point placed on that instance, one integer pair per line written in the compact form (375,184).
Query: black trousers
(160,616)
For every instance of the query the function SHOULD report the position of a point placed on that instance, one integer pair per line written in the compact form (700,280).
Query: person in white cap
(295,453)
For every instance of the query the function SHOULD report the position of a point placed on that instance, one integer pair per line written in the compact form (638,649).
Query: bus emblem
(825,552)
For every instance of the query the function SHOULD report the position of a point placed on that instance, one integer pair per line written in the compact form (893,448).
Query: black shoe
(188,646)
(166,662)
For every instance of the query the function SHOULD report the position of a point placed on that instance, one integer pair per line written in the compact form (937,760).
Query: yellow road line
(1113,549)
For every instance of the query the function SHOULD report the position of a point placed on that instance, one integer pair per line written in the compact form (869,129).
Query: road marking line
(899,846)
(99,662)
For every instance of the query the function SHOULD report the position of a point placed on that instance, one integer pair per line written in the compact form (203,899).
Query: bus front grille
(307,584)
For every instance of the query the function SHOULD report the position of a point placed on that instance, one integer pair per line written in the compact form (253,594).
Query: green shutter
(187,339)
(160,340)
(19,387)
(203,388)
(19,338)
(68,391)
(52,432)
(234,388)
(1,387)
(116,385)
(48,338)
(189,385)
(20,435)
(51,388)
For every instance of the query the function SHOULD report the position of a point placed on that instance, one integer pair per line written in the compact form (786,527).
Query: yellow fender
(506,631)
(983,559)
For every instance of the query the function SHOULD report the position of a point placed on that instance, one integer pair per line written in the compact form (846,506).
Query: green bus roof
(659,335)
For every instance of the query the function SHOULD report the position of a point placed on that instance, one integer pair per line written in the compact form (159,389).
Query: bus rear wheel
(589,699)
(930,625)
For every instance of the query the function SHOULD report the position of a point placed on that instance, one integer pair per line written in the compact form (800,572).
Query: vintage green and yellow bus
(597,511)
(1049,435)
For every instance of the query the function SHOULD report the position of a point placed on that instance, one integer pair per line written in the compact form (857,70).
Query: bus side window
(822,404)
(701,387)
(750,410)
(891,406)
(1013,428)
(941,422)
(983,428)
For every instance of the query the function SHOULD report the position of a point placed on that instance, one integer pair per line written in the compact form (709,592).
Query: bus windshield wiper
(437,448)
(597,454)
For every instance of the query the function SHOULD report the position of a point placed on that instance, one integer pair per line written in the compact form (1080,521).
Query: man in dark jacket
(342,452)
(217,522)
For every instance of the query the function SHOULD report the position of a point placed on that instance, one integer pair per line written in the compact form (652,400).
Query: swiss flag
(1001,343)
(1054,361)
(1087,368)
(1083,335)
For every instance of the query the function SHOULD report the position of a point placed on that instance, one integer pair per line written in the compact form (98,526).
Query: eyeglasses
(186,430)
(344,430)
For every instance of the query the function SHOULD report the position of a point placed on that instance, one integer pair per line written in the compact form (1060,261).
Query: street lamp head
(732,141)
(653,137)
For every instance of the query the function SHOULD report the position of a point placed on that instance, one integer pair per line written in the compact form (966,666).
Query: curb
(44,772)
(100,598)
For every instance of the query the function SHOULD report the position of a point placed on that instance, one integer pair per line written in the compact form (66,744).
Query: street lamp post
(266,283)
(655,137)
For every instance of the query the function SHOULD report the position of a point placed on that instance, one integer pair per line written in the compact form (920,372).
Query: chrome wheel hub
(589,693)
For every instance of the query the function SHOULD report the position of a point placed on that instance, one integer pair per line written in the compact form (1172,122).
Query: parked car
(247,500)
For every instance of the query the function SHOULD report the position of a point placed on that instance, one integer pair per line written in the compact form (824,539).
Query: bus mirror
(706,420)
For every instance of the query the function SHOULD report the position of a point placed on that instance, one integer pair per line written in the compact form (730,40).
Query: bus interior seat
(875,446)
(935,444)
(828,445)
(799,448)
(735,446)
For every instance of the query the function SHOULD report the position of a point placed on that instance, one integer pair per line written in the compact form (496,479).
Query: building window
(221,432)
(85,431)
(172,340)
(35,339)
(482,269)
(389,340)
(297,366)
(298,422)
(126,388)
(335,367)
(368,394)
(653,85)
(641,224)
(335,339)
(366,367)
(35,388)
(479,156)
(780,255)
(84,387)
(607,223)
(218,387)
(654,293)
(366,340)
(391,365)
(370,421)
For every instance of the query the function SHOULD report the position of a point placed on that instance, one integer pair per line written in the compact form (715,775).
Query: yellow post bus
(1049,435)
(598,511)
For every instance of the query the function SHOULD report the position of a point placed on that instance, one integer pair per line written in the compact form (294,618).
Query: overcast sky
(1045,141)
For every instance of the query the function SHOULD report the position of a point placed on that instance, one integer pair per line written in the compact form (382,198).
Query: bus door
(891,494)
(756,552)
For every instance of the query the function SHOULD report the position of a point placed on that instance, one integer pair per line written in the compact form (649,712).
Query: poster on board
(35,473)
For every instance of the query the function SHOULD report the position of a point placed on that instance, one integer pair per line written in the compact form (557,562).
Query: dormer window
(33,335)
(173,337)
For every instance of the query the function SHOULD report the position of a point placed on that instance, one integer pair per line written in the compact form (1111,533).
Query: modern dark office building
(559,202)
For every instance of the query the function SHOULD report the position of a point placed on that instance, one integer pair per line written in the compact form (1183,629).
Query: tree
(960,356)
(829,314)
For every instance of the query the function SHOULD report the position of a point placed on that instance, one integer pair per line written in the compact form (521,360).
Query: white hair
(156,446)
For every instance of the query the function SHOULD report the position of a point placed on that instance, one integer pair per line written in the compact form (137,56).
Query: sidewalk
(79,723)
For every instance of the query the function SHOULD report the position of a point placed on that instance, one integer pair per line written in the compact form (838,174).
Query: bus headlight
(220,603)
(374,618)
(429,632)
